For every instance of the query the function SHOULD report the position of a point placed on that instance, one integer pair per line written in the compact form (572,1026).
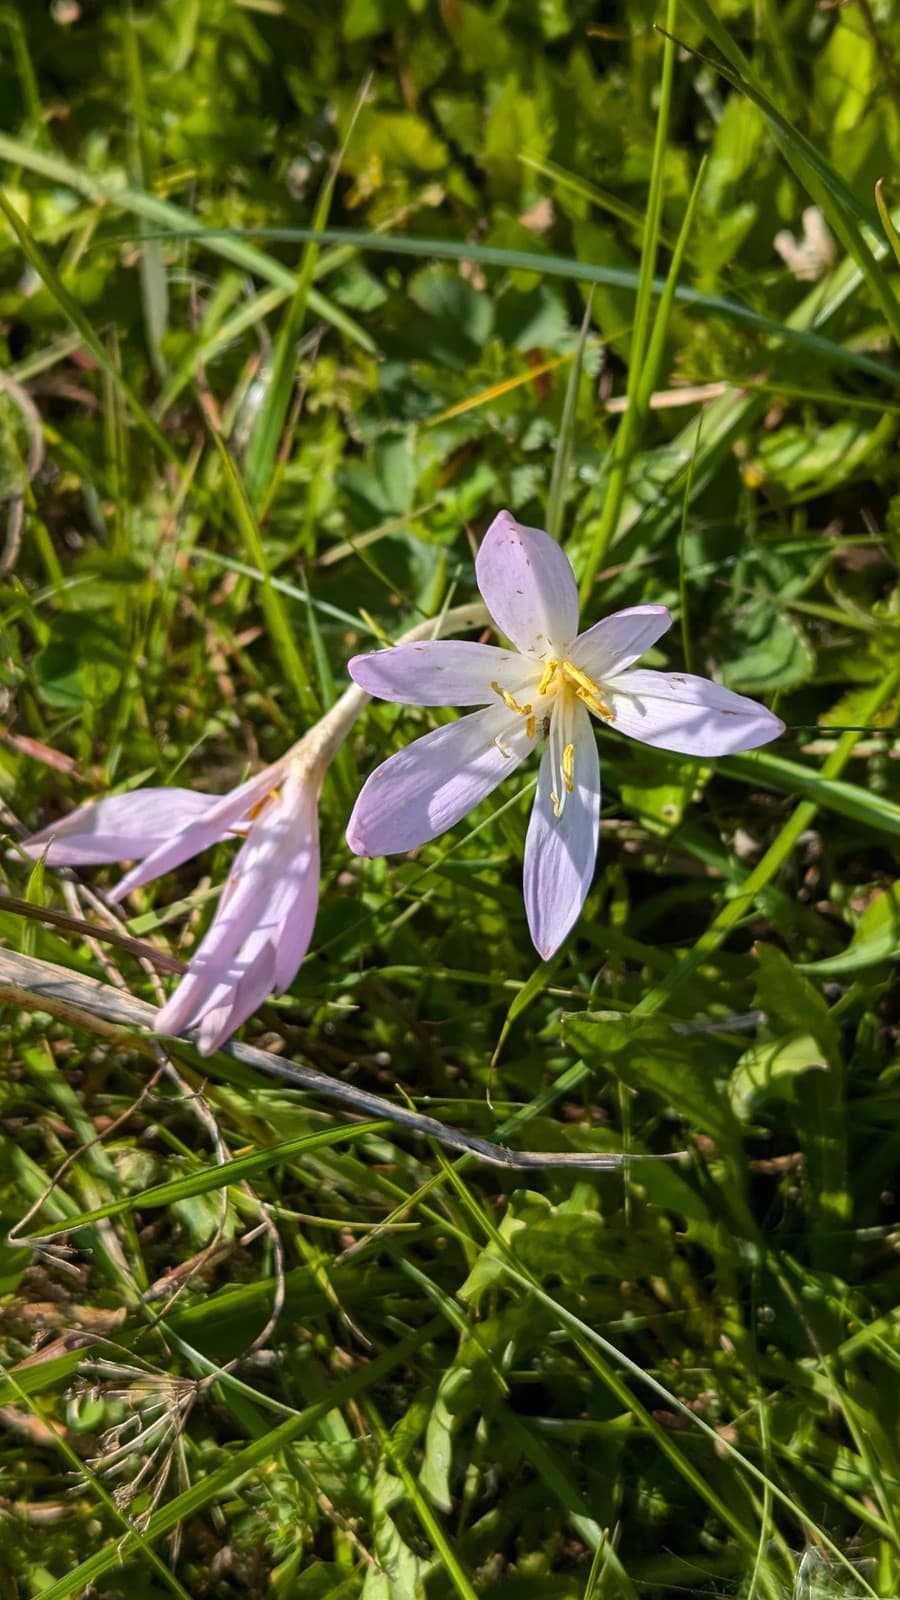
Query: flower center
(564,682)
(561,674)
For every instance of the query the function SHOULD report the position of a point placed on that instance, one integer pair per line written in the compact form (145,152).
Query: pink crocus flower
(266,913)
(549,686)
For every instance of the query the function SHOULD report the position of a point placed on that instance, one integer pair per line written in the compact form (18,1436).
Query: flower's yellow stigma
(559,673)
(510,701)
(567,767)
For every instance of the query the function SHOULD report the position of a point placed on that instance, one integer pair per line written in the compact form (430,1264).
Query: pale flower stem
(734,910)
(320,744)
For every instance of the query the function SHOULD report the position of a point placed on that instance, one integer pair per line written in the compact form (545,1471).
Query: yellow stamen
(593,704)
(510,702)
(547,676)
(567,766)
(579,677)
(585,687)
(530,727)
(557,808)
(587,690)
(260,804)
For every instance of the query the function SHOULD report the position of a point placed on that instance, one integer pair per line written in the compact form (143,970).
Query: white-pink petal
(561,852)
(426,787)
(262,926)
(439,672)
(125,827)
(227,811)
(611,645)
(528,587)
(681,712)
(242,995)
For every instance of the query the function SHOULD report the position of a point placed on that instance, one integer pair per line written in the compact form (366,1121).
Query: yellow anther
(530,727)
(579,677)
(557,808)
(567,766)
(593,704)
(547,676)
(510,701)
(585,687)
(260,805)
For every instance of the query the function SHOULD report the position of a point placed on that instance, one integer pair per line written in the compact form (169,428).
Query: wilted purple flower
(267,911)
(549,685)
(266,914)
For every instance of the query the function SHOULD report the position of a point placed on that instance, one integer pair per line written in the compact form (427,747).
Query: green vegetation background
(673,1379)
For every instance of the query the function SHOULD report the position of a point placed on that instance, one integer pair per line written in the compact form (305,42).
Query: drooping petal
(215,1004)
(241,996)
(439,672)
(262,926)
(691,715)
(614,643)
(126,827)
(561,852)
(297,925)
(426,788)
(220,819)
(528,587)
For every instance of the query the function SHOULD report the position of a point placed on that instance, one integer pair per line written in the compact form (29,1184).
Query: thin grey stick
(84,1002)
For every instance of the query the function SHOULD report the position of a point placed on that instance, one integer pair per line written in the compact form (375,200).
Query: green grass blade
(558,266)
(629,430)
(262,1451)
(284,586)
(449,1561)
(642,380)
(887,221)
(152,266)
(837,201)
(73,312)
(556,499)
(81,1469)
(598,197)
(11,20)
(833,794)
(279,626)
(219,1177)
(272,415)
(617,1358)
(174,219)
(766,869)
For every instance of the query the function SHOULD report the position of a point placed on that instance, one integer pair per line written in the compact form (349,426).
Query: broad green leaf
(767,1071)
(788,998)
(82,664)
(768,651)
(876,938)
(647,1054)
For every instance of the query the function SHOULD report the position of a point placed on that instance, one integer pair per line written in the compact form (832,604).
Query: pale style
(548,686)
